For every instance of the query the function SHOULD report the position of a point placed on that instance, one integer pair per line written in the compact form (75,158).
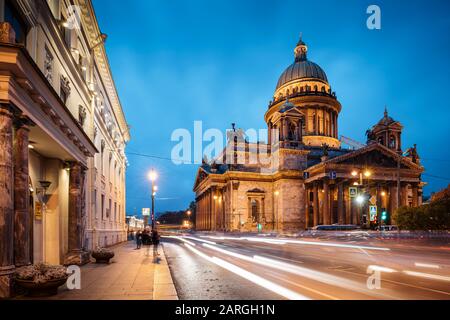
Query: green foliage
(434,216)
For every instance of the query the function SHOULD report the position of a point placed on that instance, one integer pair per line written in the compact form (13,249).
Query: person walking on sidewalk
(155,241)
(138,240)
(147,240)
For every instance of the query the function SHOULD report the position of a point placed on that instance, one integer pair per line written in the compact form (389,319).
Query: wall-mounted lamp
(42,191)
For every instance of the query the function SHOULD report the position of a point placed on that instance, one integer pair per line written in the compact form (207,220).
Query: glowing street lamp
(360,199)
(153,176)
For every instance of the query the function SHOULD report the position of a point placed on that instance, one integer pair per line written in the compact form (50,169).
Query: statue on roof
(370,136)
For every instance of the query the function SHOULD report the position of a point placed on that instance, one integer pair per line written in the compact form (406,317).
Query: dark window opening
(19,25)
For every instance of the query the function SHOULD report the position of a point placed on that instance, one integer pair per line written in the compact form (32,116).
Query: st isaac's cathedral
(304,177)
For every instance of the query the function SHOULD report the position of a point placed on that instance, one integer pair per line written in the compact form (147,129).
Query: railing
(303,94)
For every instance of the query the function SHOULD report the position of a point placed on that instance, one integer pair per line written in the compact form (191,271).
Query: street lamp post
(153,177)
(189,213)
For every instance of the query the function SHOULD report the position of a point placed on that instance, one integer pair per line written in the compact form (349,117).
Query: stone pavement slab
(131,275)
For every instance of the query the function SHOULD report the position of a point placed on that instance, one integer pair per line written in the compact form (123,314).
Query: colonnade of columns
(210,211)
(330,203)
(16,217)
(317,123)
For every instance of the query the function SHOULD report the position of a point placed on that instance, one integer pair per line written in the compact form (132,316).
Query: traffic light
(384,215)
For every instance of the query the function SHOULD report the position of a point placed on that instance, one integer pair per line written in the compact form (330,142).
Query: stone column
(324,122)
(404,195)
(317,125)
(415,189)
(285,129)
(307,203)
(326,203)
(379,202)
(348,205)
(213,210)
(300,131)
(393,199)
(6,203)
(269,137)
(316,204)
(336,123)
(22,218)
(341,214)
(75,256)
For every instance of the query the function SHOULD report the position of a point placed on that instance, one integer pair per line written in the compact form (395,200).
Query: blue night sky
(176,62)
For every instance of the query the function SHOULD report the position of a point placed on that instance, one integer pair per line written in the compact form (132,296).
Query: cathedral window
(255,211)
(392,142)
(292,135)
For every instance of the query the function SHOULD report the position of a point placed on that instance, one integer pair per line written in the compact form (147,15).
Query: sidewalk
(132,275)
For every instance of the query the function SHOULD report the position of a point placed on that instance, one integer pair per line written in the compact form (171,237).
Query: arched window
(392,142)
(292,130)
(381,140)
(302,89)
(316,88)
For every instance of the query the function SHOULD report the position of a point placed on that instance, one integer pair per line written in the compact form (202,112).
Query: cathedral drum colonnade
(308,179)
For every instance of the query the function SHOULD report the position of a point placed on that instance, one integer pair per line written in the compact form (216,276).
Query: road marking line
(398,283)
(426,265)
(381,269)
(282,291)
(426,275)
(304,287)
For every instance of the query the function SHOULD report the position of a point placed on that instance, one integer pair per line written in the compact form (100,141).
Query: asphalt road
(206,267)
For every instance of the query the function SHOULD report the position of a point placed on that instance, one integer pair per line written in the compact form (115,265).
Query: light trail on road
(337,271)
(282,291)
(289,241)
(299,271)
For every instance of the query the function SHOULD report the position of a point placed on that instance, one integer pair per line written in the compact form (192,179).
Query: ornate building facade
(303,177)
(62,137)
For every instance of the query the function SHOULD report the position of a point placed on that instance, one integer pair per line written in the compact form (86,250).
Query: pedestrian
(147,240)
(138,240)
(155,241)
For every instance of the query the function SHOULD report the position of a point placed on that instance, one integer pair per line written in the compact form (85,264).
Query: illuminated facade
(62,136)
(307,178)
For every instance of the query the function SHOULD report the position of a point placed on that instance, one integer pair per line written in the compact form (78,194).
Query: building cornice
(93,33)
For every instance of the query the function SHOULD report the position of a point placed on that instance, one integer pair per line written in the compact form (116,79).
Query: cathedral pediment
(375,155)
(201,176)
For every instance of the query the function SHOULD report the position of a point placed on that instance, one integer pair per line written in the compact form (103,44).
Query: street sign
(146,212)
(333,175)
(373,200)
(353,192)
(373,213)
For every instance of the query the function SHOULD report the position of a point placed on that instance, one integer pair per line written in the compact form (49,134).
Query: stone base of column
(6,282)
(77,258)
